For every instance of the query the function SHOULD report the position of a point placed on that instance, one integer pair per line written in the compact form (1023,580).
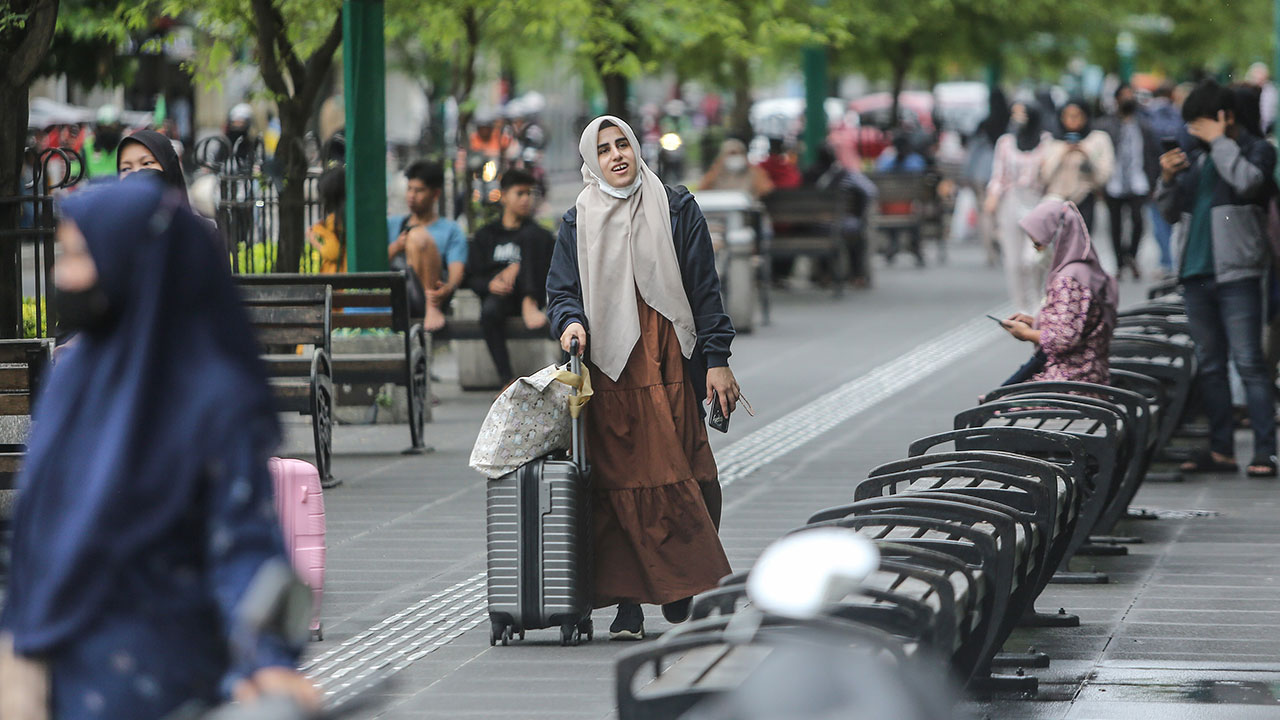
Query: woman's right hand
(575,330)
(991,204)
(1022,318)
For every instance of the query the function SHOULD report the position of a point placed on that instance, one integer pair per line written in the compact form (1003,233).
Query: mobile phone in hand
(1168,144)
(999,322)
(718,420)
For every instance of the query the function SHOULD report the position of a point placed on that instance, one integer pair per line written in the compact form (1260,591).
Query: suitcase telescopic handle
(578,447)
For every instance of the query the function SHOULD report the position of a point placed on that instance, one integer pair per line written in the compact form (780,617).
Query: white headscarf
(624,243)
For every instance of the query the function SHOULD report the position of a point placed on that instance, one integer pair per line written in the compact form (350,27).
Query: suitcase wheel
(569,635)
(500,631)
(317,633)
(587,629)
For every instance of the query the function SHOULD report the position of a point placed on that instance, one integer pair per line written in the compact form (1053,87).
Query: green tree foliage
(447,49)
(292,43)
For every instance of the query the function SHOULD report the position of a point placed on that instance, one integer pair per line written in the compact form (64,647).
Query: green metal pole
(1275,74)
(1127,49)
(995,70)
(815,95)
(364,74)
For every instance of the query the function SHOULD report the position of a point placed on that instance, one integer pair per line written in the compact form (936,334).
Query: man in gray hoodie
(1219,192)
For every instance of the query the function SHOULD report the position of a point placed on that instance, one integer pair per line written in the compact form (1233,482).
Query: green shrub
(29,327)
(260,258)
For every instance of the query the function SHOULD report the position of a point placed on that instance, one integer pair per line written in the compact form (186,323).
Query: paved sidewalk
(406,560)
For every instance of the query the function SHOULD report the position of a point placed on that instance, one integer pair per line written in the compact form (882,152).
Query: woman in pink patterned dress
(1074,326)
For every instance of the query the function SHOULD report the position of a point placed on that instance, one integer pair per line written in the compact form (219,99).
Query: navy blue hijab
(131,416)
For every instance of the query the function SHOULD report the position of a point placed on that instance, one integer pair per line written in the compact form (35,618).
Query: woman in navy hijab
(145,507)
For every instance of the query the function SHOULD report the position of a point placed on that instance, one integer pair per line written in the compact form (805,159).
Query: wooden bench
(808,221)
(900,189)
(286,317)
(22,362)
(377,300)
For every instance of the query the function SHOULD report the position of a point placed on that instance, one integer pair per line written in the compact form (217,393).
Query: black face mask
(83,310)
(1128,107)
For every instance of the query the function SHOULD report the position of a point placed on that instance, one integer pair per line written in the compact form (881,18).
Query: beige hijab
(625,243)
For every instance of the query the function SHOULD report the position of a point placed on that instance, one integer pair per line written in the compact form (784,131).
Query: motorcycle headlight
(489,172)
(670,142)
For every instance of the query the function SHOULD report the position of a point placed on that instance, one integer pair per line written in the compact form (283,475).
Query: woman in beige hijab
(633,279)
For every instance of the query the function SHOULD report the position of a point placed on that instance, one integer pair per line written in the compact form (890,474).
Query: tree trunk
(901,63)
(22,49)
(615,93)
(740,120)
(13,138)
(293,164)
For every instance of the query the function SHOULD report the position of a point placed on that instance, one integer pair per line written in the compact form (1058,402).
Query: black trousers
(1126,252)
(494,312)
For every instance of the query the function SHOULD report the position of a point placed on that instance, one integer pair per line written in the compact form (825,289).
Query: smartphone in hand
(717,420)
(1000,322)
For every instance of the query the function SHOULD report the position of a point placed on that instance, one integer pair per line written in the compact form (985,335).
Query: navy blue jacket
(697,270)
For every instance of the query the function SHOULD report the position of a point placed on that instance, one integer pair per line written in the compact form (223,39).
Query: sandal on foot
(1262,468)
(1205,462)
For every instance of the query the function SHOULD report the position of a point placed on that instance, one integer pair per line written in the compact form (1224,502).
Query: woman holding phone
(1079,161)
(633,264)
(1072,331)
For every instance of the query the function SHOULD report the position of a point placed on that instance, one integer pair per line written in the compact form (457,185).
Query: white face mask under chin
(621,193)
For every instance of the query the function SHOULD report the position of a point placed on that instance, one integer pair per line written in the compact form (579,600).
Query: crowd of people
(629,281)
(1211,177)
(1028,150)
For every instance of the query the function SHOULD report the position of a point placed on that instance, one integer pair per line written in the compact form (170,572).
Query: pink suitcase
(300,507)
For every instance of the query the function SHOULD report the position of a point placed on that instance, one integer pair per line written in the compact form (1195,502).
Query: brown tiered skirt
(655,538)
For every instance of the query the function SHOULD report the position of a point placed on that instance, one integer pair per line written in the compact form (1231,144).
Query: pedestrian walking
(1164,115)
(1137,152)
(634,264)
(979,162)
(1072,331)
(149,150)
(1079,161)
(145,505)
(1219,191)
(1015,189)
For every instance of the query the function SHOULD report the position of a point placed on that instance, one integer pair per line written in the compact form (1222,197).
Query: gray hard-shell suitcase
(539,545)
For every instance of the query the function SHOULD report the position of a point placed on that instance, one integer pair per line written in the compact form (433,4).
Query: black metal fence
(248,203)
(27,241)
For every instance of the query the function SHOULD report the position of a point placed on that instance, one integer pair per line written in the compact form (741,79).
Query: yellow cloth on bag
(582,384)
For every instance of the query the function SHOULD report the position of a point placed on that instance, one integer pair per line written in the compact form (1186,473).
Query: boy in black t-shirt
(507,266)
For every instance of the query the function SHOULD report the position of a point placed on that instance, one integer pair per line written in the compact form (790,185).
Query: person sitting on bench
(1072,332)
(435,248)
(507,267)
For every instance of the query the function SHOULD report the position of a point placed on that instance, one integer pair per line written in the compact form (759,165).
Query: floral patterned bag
(531,418)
